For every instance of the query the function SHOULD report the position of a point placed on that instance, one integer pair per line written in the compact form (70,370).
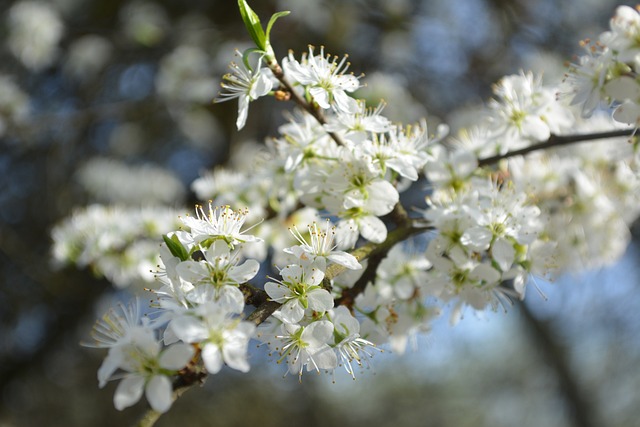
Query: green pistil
(354,212)
(358,181)
(498,229)
(218,278)
(517,117)
(459,278)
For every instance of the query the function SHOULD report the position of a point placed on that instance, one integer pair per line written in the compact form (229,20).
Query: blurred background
(105,101)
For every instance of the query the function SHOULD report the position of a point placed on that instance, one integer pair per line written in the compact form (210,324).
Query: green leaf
(252,22)
(273,19)
(175,247)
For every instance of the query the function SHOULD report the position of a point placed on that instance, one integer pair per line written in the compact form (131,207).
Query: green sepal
(245,57)
(175,247)
(252,22)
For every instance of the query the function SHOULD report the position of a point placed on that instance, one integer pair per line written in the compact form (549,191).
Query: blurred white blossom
(112,181)
(35,30)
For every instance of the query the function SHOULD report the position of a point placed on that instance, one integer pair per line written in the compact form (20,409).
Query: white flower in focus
(307,346)
(321,248)
(403,149)
(303,141)
(358,187)
(356,126)
(116,326)
(324,79)
(34,32)
(299,290)
(218,275)
(349,345)
(222,336)
(146,368)
(247,86)
(218,223)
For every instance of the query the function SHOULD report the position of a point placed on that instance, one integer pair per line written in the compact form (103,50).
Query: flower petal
(158,392)
(128,392)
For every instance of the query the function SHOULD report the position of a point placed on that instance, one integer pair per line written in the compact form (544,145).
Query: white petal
(235,355)
(320,96)
(485,273)
(503,253)
(373,229)
(244,272)
(191,271)
(464,163)
(628,112)
(176,357)
(231,299)
(320,300)
(344,102)
(623,88)
(261,86)
(347,233)
(344,259)
(292,311)
(109,365)
(158,392)
(189,329)
(344,322)
(477,238)
(128,392)
(323,358)
(533,127)
(276,291)
(212,358)
(317,333)
(383,196)
(243,111)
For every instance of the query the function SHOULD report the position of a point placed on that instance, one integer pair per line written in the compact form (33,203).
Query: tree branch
(557,141)
(580,410)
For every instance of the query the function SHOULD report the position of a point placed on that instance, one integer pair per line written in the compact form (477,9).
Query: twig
(312,109)
(557,141)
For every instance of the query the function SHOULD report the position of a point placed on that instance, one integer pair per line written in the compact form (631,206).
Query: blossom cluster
(117,242)
(350,284)
(608,72)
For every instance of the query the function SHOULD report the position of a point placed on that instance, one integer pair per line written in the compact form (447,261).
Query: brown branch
(580,409)
(557,141)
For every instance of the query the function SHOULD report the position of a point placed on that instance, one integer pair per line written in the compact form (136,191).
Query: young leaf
(273,19)
(175,247)
(252,22)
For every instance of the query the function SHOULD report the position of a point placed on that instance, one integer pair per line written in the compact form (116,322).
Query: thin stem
(150,417)
(557,141)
